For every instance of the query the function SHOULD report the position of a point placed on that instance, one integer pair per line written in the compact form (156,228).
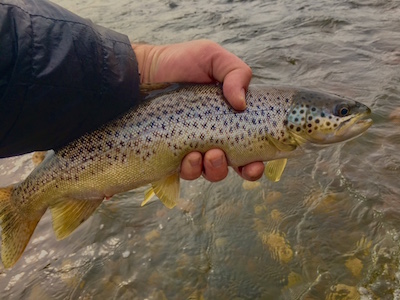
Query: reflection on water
(328,230)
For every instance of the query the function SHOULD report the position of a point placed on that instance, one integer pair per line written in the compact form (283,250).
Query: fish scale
(147,144)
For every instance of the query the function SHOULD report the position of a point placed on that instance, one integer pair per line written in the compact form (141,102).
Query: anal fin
(68,214)
(148,194)
(167,190)
(274,169)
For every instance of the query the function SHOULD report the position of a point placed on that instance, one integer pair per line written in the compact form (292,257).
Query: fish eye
(342,110)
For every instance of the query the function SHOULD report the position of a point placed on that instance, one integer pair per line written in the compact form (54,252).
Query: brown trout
(146,145)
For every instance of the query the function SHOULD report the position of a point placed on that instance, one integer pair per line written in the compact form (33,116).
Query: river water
(328,230)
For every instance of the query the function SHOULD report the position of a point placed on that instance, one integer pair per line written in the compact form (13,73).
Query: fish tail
(17,228)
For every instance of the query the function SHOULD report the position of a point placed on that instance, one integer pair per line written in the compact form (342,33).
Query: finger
(215,165)
(235,86)
(252,171)
(235,75)
(191,166)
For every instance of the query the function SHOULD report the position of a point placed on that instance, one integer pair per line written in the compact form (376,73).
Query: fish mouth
(355,126)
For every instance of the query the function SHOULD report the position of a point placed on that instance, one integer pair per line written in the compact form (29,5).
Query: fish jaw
(354,127)
(348,130)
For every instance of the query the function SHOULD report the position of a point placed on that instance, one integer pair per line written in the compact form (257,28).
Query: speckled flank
(186,118)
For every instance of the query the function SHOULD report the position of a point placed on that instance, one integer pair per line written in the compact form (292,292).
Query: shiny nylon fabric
(60,76)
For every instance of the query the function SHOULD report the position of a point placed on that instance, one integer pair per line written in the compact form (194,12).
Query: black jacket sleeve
(60,76)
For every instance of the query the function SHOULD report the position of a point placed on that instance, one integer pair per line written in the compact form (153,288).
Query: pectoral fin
(274,169)
(282,146)
(167,190)
(70,213)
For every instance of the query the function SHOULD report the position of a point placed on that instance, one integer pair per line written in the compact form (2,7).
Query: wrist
(145,56)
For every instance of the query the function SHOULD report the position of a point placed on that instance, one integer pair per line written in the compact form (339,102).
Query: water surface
(328,230)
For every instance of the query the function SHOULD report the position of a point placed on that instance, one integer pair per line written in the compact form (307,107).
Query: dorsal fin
(38,157)
(151,90)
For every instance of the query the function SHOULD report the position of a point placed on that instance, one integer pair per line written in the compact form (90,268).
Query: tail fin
(17,229)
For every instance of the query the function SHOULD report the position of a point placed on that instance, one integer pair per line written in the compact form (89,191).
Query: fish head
(322,118)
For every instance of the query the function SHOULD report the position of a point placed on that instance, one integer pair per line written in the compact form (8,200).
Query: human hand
(201,61)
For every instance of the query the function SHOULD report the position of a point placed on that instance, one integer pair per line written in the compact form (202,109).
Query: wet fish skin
(146,145)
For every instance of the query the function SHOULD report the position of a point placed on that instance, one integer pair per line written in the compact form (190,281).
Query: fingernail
(195,162)
(217,162)
(243,94)
(242,97)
